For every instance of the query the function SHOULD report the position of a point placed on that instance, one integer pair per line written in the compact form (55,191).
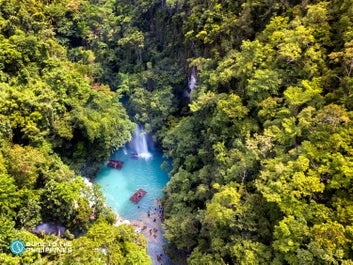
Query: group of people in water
(156,213)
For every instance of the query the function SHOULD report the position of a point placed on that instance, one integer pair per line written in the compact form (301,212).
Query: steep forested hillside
(262,147)
(263,162)
(57,121)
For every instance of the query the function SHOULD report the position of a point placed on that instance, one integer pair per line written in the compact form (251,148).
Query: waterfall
(139,143)
(192,83)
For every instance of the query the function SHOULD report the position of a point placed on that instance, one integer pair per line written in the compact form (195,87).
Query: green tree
(10,198)
(68,203)
(105,243)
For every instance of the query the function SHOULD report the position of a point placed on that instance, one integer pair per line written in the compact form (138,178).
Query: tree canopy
(261,146)
(58,120)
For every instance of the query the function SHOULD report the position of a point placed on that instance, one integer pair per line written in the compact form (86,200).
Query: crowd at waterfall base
(149,225)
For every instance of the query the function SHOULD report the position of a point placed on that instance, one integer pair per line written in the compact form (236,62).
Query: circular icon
(17,247)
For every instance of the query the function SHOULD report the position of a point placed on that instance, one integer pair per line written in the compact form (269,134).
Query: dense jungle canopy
(262,147)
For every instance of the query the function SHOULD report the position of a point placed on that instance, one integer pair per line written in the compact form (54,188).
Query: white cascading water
(192,83)
(139,142)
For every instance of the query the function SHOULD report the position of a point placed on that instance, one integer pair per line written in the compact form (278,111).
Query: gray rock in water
(50,228)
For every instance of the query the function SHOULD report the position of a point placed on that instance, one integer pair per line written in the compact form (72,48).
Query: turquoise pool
(119,185)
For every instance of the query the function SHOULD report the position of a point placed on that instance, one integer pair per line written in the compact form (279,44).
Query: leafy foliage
(261,146)
(262,160)
(58,120)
